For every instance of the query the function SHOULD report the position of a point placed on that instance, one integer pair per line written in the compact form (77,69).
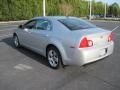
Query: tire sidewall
(17,46)
(59,57)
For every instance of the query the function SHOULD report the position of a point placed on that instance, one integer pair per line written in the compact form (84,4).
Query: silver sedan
(64,40)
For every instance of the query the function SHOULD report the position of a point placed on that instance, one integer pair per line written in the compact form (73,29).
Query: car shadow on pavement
(37,57)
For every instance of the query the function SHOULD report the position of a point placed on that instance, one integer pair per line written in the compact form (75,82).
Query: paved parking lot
(22,69)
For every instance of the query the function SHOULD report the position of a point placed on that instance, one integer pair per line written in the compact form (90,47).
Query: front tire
(53,57)
(16,41)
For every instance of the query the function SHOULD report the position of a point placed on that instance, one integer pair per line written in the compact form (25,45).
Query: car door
(26,33)
(41,34)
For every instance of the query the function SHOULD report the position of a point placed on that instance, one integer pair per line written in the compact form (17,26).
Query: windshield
(76,24)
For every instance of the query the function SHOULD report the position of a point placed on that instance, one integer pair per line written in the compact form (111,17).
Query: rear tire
(16,41)
(54,57)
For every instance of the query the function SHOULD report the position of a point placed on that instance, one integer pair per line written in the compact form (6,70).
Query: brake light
(86,43)
(110,38)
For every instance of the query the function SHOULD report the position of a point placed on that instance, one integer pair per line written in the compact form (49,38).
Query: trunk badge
(101,37)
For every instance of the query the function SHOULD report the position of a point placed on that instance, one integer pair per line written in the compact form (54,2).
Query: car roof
(54,17)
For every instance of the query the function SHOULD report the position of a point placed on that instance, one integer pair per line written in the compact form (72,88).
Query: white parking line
(7,35)
(22,67)
(115,28)
(8,25)
(7,29)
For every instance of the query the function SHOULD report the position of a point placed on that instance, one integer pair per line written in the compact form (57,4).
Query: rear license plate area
(103,52)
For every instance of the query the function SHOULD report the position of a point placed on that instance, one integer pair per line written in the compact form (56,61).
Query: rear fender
(61,49)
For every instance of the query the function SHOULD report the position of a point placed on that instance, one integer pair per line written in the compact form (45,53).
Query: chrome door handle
(46,35)
(29,32)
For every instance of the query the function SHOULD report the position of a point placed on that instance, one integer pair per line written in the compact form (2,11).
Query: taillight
(110,37)
(86,43)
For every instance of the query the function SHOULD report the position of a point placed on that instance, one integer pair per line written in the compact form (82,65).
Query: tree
(114,9)
(26,9)
(65,9)
(98,8)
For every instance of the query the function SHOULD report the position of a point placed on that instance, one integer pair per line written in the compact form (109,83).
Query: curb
(21,21)
(11,22)
(103,21)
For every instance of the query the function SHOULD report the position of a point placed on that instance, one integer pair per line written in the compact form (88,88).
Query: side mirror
(20,26)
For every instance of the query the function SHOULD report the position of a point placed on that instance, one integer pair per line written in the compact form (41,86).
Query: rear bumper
(84,56)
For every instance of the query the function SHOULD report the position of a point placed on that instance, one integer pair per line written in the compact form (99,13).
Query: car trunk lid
(97,35)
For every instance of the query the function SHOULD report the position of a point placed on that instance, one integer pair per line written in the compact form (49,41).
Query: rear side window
(76,24)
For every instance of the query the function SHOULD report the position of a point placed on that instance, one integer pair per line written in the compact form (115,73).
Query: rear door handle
(29,32)
(44,35)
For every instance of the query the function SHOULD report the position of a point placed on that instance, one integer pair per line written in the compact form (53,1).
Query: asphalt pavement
(22,69)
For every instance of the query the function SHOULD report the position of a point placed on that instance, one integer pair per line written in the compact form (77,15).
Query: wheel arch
(60,49)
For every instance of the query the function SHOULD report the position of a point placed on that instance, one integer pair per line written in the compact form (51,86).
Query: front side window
(76,24)
(43,25)
(30,24)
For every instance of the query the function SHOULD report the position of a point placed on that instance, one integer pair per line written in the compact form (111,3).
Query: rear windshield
(76,24)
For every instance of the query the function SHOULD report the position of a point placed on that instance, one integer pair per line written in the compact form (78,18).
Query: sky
(110,1)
